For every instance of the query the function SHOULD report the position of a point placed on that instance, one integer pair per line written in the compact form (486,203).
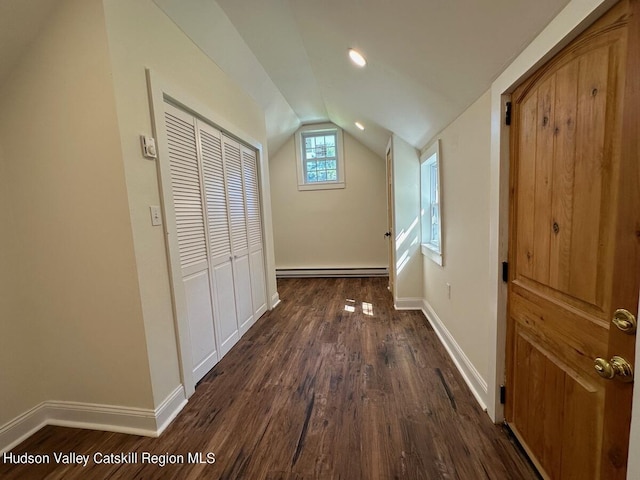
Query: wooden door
(574,250)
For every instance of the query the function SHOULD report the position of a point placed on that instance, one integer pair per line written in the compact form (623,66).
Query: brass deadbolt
(617,367)
(625,321)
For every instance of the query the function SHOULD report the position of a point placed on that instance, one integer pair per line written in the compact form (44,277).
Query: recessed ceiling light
(357,58)
(359,125)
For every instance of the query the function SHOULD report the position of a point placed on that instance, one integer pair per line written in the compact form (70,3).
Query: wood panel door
(574,250)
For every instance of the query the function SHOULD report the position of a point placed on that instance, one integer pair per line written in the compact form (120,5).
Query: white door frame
(159,92)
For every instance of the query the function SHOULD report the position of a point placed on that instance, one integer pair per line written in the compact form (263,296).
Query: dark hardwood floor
(332,384)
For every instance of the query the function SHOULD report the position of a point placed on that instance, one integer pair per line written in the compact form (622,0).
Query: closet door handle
(230,258)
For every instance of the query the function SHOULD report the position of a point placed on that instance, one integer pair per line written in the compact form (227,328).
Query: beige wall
(78,320)
(464,161)
(20,340)
(341,228)
(406,193)
(142,36)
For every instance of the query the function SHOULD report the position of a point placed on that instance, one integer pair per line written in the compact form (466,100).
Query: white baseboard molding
(408,303)
(275,300)
(331,272)
(475,382)
(169,409)
(131,420)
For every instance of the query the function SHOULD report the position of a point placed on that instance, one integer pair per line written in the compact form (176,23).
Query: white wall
(341,228)
(406,231)
(142,36)
(77,323)
(465,147)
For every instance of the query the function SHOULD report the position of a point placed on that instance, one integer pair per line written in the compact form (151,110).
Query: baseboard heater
(330,272)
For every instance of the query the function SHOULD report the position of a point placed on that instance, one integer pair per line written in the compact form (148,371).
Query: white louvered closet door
(189,223)
(254,224)
(239,238)
(221,257)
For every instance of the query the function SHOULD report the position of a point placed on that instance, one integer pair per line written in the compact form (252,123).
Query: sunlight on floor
(367,308)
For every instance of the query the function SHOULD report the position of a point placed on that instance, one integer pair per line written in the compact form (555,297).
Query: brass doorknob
(617,367)
(625,321)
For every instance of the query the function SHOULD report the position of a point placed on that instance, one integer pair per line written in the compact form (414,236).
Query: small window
(430,203)
(319,157)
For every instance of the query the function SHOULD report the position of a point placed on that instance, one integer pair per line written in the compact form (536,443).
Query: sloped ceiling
(428,60)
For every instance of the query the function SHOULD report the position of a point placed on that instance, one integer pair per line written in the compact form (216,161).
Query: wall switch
(156,216)
(148,146)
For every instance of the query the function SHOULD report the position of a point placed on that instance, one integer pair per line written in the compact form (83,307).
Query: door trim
(160,91)
(576,17)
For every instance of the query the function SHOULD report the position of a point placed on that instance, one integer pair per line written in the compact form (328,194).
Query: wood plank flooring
(332,384)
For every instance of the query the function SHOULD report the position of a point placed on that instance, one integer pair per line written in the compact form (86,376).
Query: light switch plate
(156,215)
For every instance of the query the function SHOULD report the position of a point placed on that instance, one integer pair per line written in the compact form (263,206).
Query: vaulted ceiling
(428,60)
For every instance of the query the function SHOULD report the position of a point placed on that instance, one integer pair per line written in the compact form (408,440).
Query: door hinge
(507,114)
(505,272)
(503,394)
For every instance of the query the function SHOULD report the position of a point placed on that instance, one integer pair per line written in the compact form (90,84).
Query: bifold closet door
(239,237)
(221,258)
(254,229)
(190,235)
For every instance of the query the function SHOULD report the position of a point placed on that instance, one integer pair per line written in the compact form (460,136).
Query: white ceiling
(428,60)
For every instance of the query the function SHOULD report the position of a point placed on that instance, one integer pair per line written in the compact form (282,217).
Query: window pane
(310,153)
(320,156)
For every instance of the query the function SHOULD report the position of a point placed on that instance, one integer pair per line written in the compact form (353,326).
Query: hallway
(332,384)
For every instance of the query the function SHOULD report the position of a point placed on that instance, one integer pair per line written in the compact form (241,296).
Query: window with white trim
(430,203)
(319,157)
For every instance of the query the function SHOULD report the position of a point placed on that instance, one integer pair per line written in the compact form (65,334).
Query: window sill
(321,186)
(430,252)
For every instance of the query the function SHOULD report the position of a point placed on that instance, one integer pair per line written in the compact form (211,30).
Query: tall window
(430,211)
(319,157)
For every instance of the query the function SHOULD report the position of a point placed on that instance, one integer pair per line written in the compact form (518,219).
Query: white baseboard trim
(131,420)
(408,303)
(275,300)
(22,427)
(475,382)
(169,409)
(331,272)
